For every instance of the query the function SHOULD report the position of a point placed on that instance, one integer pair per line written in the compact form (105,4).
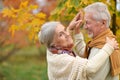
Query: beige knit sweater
(66,67)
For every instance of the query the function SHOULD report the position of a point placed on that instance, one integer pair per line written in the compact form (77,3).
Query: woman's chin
(70,46)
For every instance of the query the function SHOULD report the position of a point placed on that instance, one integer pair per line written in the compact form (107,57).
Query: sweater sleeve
(79,44)
(95,63)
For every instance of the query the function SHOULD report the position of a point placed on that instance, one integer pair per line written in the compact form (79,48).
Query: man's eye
(86,22)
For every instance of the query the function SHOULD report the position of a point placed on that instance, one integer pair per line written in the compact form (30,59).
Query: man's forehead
(88,16)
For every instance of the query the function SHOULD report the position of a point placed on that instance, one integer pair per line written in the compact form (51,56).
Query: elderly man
(97,21)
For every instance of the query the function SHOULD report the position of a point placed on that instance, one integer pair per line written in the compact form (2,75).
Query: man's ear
(104,22)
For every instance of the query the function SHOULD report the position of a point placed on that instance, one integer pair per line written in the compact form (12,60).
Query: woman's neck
(59,50)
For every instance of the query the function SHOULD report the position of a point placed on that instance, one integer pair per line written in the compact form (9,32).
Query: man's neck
(101,30)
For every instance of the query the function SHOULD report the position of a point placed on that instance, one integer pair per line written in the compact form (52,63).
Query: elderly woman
(63,63)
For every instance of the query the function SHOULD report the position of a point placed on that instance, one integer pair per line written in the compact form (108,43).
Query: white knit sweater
(66,67)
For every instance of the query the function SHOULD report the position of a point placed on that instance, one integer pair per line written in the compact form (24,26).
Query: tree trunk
(114,24)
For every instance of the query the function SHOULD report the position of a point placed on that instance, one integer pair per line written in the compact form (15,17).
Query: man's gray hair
(47,32)
(100,11)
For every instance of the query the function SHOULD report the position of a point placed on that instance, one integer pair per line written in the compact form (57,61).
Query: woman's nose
(67,33)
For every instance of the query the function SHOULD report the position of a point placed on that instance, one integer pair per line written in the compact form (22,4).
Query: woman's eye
(60,35)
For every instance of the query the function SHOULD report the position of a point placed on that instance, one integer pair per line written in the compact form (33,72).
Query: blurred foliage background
(22,57)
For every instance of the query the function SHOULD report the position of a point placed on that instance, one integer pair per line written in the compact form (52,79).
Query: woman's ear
(52,45)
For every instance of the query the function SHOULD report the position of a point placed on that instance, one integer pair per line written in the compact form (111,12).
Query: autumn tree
(19,17)
(23,19)
(67,9)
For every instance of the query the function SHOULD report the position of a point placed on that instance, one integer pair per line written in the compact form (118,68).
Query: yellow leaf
(24,18)
(7,12)
(35,22)
(36,29)
(118,36)
(23,27)
(68,4)
(118,21)
(31,34)
(24,4)
(12,29)
(36,37)
(33,6)
(86,2)
(14,10)
(41,15)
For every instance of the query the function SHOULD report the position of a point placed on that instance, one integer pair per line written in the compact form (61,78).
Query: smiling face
(92,26)
(62,38)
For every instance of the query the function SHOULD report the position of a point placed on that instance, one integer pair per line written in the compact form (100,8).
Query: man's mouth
(89,32)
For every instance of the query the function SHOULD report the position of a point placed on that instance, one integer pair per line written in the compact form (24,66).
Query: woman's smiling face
(62,38)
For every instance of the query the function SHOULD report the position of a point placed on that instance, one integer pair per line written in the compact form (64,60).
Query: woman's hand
(76,22)
(112,42)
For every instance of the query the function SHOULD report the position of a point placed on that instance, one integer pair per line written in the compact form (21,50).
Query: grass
(24,66)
